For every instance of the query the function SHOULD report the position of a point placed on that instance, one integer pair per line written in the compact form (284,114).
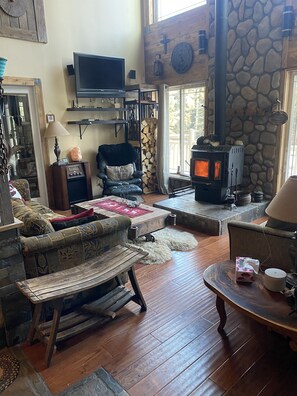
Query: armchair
(269,245)
(117,169)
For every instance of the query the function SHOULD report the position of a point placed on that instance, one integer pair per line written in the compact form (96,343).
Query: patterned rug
(18,377)
(9,370)
(166,241)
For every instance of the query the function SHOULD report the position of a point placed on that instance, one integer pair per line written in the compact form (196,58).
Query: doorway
(23,132)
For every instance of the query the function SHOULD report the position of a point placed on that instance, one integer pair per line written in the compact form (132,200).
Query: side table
(252,299)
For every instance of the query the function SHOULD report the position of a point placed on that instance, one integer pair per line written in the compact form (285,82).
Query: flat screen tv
(99,76)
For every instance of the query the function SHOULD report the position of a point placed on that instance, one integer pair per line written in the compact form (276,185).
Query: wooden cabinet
(141,131)
(72,184)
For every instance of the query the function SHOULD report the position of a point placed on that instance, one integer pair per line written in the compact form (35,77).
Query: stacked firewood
(149,128)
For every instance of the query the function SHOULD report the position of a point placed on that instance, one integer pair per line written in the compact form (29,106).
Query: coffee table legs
(222,313)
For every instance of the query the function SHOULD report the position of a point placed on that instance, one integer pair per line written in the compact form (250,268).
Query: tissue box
(245,268)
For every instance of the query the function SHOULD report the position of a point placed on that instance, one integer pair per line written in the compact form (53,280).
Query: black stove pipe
(221,27)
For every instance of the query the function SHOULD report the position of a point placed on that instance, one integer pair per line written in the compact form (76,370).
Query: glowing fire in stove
(202,169)
(217,170)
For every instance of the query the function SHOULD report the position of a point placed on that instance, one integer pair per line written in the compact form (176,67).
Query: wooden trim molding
(35,83)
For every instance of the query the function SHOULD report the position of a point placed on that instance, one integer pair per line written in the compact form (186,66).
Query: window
(168,8)
(291,157)
(186,124)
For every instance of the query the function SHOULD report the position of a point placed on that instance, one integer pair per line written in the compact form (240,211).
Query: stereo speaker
(132,74)
(77,190)
(70,70)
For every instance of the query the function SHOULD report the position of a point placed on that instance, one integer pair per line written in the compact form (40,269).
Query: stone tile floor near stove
(209,218)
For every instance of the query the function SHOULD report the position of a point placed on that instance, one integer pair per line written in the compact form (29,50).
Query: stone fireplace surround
(15,311)
(254,74)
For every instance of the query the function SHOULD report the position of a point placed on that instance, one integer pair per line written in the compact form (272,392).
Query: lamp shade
(283,207)
(55,129)
(2,66)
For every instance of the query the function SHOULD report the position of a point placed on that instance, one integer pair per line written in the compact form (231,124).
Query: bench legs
(58,303)
(54,330)
(34,323)
(138,298)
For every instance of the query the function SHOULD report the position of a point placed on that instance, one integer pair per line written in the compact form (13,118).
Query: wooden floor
(174,348)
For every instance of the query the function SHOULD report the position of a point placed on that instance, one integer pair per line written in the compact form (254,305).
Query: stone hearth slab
(209,218)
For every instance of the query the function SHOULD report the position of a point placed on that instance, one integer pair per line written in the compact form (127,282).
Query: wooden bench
(56,286)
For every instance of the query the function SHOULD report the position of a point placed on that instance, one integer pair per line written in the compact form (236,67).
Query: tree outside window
(186,124)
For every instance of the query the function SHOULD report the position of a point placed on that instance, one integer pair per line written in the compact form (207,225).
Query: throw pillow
(61,225)
(14,194)
(281,225)
(42,209)
(123,172)
(86,213)
(33,223)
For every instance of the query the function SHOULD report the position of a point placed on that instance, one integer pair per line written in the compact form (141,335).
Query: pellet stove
(215,171)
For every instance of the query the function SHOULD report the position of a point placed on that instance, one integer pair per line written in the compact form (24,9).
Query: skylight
(169,8)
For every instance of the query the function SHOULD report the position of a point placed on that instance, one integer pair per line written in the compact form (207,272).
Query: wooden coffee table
(151,220)
(253,300)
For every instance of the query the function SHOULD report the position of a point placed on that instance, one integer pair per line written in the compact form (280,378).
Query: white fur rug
(166,240)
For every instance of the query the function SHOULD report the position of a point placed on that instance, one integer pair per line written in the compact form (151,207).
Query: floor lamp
(283,207)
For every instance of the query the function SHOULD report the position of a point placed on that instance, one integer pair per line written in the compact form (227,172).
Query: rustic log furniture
(56,286)
(254,300)
(152,218)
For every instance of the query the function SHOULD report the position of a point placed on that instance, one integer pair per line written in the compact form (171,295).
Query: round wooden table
(252,299)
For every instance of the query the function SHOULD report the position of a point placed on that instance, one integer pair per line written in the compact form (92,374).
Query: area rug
(166,241)
(9,369)
(20,378)
(98,383)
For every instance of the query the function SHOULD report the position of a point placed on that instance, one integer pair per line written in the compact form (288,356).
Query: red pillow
(86,213)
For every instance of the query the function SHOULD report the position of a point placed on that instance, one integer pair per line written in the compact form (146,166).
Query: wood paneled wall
(182,28)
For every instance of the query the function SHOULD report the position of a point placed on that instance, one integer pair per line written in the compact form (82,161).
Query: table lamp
(56,129)
(283,207)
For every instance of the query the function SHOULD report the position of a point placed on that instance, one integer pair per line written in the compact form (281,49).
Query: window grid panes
(186,124)
(168,8)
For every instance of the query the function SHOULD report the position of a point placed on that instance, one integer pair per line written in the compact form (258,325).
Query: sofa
(51,251)
(273,247)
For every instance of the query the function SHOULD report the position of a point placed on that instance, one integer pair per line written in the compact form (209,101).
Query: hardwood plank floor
(174,348)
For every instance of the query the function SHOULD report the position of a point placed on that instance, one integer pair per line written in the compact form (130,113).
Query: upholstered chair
(118,171)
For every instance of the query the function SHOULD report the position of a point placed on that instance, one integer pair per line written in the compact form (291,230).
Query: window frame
(153,7)
(180,88)
(150,12)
